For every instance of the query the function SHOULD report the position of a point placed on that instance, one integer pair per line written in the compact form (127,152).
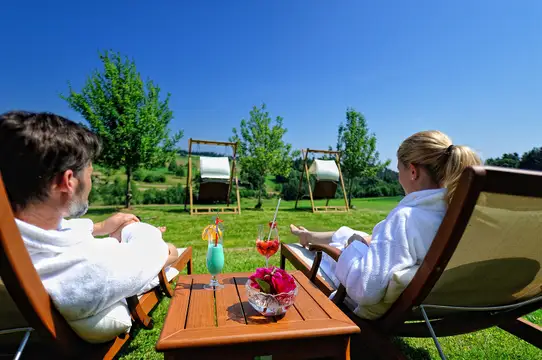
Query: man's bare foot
(162,229)
(302,233)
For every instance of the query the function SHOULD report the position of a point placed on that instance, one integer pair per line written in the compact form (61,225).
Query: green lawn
(185,230)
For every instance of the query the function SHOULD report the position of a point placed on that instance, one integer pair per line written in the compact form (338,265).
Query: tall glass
(267,247)
(215,260)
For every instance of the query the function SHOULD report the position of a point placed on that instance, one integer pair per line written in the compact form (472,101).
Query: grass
(185,230)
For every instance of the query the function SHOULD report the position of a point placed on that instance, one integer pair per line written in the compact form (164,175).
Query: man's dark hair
(35,148)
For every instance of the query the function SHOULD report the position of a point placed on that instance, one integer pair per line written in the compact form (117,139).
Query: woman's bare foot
(302,233)
(162,229)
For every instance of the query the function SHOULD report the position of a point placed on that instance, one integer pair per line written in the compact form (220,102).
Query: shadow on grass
(359,349)
(131,347)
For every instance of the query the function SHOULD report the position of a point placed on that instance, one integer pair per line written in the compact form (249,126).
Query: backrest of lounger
(325,170)
(499,258)
(488,249)
(214,168)
(24,288)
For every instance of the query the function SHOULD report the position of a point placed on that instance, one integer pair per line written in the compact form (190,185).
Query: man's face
(79,204)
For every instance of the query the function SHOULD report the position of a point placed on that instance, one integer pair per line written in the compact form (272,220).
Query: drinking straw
(274,219)
(216,228)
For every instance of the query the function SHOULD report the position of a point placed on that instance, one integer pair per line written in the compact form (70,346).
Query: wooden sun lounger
(211,192)
(323,189)
(483,268)
(36,311)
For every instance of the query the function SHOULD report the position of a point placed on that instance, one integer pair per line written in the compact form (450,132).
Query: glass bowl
(269,304)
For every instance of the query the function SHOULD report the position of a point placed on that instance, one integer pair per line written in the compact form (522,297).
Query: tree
(507,160)
(128,115)
(262,150)
(358,150)
(532,160)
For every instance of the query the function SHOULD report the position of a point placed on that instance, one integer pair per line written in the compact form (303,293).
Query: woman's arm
(365,271)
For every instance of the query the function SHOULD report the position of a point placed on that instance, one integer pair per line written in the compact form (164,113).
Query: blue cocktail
(215,260)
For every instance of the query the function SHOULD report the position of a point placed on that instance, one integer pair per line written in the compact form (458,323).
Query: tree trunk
(259,205)
(350,183)
(128,200)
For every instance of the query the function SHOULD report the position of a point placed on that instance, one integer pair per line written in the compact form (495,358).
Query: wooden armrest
(330,250)
(137,312)
(165,286)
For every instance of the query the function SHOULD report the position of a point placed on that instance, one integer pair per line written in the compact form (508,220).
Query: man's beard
(78,208)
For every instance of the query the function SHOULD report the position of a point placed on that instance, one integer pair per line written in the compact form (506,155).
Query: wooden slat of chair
(377,333)
(26,289)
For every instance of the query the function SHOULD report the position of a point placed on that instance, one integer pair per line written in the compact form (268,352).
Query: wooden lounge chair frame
(190,195)
(26,289)
(306,173)
(395,322)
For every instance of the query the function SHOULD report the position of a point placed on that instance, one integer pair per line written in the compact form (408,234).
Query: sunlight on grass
(240,255)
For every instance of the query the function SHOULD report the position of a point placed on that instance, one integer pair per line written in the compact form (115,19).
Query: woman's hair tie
(449,149)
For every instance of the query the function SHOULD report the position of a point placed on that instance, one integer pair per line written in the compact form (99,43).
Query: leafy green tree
(507,160)
(358,150)
(128,115)
(532,160)
(262,150)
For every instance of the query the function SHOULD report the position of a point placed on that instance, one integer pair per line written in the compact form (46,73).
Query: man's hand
(114,224)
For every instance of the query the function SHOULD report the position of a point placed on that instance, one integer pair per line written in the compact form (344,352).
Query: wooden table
(222,324)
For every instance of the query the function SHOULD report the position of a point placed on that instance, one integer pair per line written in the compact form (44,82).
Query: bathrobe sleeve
(366,271)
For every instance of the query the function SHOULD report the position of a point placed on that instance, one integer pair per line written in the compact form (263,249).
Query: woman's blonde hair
(435,152)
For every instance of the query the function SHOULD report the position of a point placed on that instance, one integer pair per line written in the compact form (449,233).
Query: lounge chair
(483,268)
(327,175)
(216,183)
(28,312)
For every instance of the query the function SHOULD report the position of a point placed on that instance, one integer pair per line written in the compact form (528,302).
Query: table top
(203,318)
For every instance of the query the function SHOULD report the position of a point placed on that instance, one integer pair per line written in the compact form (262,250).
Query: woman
(376,269)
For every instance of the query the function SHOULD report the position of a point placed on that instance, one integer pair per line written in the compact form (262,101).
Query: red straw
(217,220)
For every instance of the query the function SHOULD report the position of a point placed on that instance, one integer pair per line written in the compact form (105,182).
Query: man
(46,164)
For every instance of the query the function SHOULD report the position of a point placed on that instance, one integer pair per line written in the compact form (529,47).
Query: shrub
(138,175)
(180,171)
(248,193)
(153,178)
(172,168)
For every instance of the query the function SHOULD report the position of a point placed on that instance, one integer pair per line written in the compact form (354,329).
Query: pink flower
(282,281)
(278,280)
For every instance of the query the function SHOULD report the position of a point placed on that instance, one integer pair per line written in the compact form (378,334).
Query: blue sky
(472,69)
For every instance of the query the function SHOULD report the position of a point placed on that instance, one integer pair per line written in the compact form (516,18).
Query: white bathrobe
(375,276)
(85,275)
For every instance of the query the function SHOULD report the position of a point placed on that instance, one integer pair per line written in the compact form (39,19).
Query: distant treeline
(530,160)
(203,153)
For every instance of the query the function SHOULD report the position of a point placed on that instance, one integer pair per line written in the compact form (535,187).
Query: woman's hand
(357,237)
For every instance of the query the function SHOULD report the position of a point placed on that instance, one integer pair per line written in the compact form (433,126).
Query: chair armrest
(330,250)
(165,286)
(138,314)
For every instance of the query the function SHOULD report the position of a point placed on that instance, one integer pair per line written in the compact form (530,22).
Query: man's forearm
(172,256)
(98,229)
